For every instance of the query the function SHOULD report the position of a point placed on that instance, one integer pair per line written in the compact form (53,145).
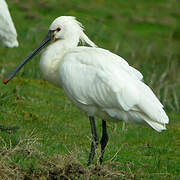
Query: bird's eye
(58,29)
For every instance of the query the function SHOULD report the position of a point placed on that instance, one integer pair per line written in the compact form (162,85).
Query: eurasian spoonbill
(97,81)
(8,34)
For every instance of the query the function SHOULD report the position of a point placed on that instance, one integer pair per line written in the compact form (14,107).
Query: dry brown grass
(57,167)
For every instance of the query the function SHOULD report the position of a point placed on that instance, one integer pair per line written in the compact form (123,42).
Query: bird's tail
(153,111)
(156,125)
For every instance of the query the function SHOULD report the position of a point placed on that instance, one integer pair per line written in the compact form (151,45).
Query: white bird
(8,34)
(97,81)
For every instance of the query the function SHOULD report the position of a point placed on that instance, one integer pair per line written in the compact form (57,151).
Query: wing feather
(99,78)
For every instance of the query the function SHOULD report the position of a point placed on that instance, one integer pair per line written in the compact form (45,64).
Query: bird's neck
(51,58)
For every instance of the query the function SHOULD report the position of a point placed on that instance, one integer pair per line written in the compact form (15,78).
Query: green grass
(53,139)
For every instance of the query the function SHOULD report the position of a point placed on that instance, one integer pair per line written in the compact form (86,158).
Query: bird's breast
(49,64)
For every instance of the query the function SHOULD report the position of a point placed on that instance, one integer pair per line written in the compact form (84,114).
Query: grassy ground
(53,139)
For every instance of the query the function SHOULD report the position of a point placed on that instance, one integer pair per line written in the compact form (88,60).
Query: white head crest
(70,28)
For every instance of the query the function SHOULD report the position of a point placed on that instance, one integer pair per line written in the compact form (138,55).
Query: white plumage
(8,35)
(98,81)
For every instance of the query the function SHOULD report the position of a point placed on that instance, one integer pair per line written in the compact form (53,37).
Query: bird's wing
(95,77)
(8,33)
(104,74)
(124,64)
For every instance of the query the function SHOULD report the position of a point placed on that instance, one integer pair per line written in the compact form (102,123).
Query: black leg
(94,140)
(104,140)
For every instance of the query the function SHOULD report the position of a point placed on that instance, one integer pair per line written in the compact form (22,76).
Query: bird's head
(66,27)
(69,29)
(62,28)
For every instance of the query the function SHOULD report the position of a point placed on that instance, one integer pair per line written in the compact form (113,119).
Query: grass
(53,139)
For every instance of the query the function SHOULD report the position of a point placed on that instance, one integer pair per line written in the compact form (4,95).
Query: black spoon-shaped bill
(46,40)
